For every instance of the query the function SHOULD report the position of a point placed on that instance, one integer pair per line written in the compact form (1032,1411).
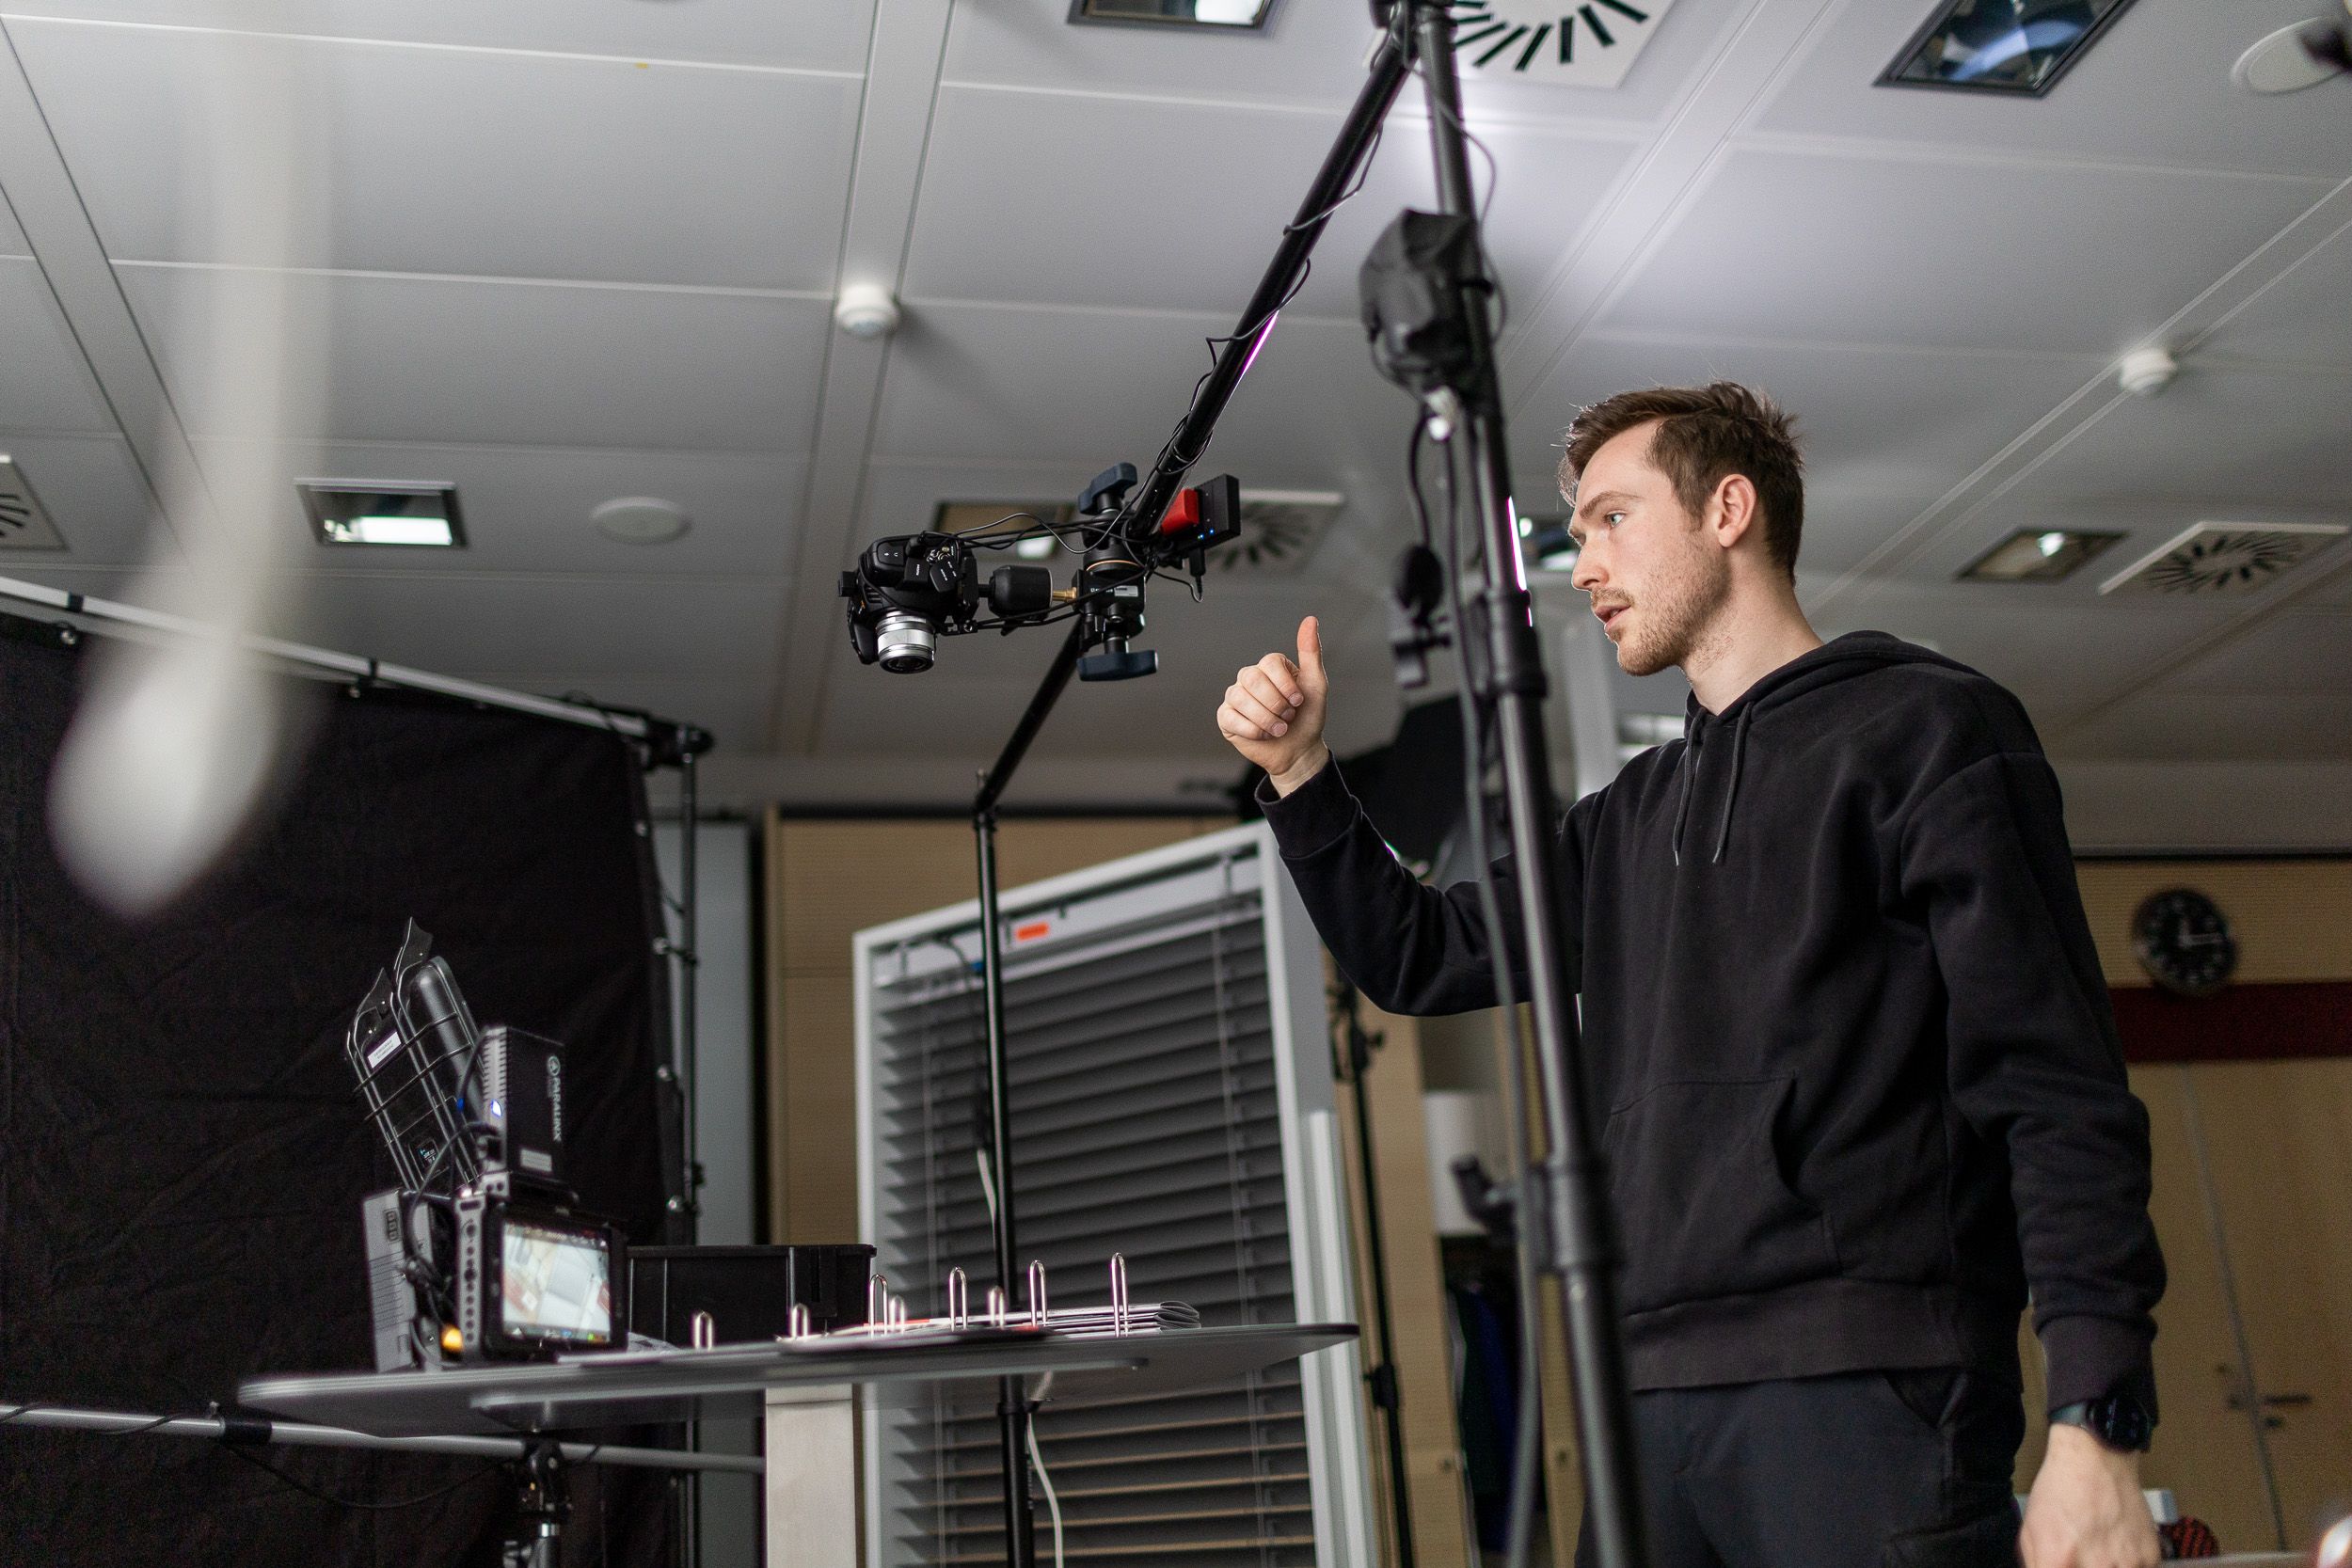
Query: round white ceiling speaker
(640,520)
(2145,372)
(2280,63)
(866,310)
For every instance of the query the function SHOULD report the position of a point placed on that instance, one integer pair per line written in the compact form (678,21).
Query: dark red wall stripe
(2246,1022)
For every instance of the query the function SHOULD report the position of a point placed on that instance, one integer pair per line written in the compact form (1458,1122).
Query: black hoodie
(1843,1013)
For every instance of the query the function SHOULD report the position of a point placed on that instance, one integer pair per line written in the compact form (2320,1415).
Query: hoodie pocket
(1703,1194)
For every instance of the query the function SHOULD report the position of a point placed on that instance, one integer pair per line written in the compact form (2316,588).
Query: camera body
(908,589)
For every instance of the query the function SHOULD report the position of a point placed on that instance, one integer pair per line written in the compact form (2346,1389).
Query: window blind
(1171,1102)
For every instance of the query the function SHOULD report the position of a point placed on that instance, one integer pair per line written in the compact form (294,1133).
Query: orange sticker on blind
(1033,930)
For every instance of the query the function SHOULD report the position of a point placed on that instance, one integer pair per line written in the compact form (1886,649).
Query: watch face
(2121,1422)
(2184,942)
(1588,43)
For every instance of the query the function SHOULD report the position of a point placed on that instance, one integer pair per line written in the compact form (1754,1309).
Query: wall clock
(1584,43)
(2182,941)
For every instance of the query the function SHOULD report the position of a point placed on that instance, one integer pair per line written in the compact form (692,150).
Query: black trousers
(1904,1469)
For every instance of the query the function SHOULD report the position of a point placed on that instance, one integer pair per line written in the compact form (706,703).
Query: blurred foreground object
(177,742)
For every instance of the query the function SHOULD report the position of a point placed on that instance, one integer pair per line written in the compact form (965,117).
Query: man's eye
(1611,517)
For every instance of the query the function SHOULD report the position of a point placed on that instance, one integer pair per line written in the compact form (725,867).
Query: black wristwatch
(2119,1422)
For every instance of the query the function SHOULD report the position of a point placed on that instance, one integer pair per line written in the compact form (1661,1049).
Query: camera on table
(482,1252)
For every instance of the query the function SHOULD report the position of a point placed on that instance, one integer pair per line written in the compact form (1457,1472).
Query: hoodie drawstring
(1689,768)
(1731,792)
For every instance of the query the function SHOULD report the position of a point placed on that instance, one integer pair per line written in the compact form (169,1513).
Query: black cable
(307,1490)
(30,1406)
(1493,275)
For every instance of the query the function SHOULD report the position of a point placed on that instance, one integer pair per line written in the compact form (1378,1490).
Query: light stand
(1565,1212)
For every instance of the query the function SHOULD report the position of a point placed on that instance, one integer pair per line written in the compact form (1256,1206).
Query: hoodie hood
(1857,652)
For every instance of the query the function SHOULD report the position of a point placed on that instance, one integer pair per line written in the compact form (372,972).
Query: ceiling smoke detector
(24,524)
(1279,530)
(866,310)
(2145,372)
(2224,558)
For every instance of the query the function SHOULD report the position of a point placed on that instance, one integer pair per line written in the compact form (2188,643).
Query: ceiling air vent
(1279,530)
(24,525)
(2223,558)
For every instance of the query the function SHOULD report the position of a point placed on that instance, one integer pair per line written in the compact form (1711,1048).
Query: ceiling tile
(534,365)
(591,629)
(45,383)
(2304,318)
(13,242)
(2155,90)
(2187,726)
(2296,647)
(92,488)
(526,509)
(2058,656)
(1948,253)
(828,37)
(1312,52)
(456,162)
(1083,389)
(2233,439)
(1022,200)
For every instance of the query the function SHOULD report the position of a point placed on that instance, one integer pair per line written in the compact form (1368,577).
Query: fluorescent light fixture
(2012,46)
(369,511)
(2037,555)
(1211,15)
(1040,548)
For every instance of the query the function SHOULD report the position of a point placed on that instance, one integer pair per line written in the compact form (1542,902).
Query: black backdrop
(182,1154)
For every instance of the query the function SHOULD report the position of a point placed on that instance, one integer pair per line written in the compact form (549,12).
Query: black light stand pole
(1012,1399)
(1565,1211)
(1356,1045)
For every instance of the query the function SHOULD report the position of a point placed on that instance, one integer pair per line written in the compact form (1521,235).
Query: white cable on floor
(1045,1484)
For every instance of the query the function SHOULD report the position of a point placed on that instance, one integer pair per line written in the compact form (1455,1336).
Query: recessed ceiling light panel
(2012,46)
(371,512)
(1218,16)
(2037,555)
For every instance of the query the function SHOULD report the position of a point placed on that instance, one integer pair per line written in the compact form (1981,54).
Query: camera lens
(904,641)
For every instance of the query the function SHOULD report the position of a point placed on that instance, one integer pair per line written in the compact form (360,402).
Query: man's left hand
(2087,1509)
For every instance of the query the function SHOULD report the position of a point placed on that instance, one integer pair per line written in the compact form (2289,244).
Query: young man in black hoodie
(1843,1013)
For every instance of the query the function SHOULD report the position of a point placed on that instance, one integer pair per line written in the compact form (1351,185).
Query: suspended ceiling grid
(576,251)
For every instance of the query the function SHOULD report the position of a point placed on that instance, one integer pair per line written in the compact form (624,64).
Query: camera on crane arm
(910,590)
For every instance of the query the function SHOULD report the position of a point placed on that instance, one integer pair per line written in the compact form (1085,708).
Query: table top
(638,1386)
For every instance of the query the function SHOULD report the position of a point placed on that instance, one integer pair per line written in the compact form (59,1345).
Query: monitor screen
(557,1285)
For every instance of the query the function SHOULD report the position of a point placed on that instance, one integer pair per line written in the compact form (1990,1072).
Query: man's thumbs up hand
(1273,712)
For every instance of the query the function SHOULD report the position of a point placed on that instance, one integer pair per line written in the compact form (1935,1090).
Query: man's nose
(1588,575)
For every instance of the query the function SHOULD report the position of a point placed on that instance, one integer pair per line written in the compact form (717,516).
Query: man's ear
(1733,512)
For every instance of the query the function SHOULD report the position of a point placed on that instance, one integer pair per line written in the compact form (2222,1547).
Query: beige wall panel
(2279,1136)
(2293,919)
(1417,1306)
(2204,1449)
(820,1122)
(840,876)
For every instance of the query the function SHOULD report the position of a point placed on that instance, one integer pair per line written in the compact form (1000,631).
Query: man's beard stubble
(1675,615)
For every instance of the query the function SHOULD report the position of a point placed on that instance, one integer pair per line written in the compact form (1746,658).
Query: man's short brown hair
(1703,434)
